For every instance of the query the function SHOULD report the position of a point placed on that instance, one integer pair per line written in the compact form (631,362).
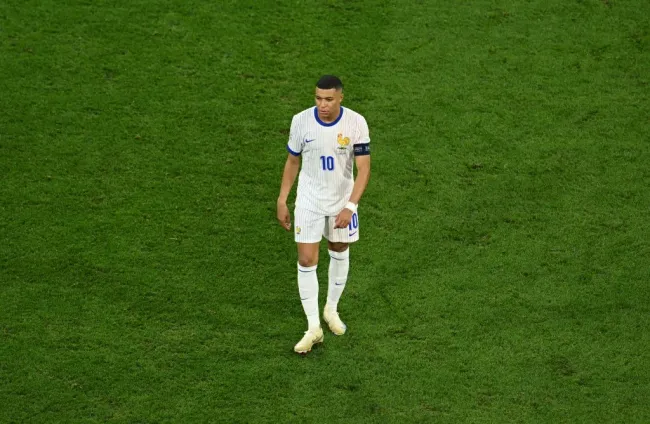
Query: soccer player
(328,139)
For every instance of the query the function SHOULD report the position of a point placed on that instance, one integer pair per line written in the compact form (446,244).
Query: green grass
(503,271)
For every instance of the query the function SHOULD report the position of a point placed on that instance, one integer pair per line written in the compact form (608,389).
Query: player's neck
(330,119)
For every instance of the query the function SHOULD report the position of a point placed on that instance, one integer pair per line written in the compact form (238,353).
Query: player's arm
(291,168)
(362,161)
(360,183)
(363,176)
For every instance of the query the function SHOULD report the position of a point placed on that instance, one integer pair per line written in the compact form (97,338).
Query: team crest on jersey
(344,142)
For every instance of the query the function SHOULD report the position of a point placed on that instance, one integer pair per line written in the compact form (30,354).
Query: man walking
(329,139)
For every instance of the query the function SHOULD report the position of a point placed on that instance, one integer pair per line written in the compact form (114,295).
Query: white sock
(337,277)
(308,288)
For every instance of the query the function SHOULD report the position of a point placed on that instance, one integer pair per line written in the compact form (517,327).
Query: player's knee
(337,247)
(307,260)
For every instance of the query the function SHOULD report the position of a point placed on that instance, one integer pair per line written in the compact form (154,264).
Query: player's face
(328,103)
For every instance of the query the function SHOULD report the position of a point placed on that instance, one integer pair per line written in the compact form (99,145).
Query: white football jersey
(325,181)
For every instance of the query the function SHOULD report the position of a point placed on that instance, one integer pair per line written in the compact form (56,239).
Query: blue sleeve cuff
(292,152)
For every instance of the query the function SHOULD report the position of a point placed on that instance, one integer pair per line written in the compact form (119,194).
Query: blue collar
(325,124)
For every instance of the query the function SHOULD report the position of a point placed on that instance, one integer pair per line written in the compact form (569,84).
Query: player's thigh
(349,234)
(308,226)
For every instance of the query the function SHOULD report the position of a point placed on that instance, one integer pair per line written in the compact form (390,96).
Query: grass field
(502,275)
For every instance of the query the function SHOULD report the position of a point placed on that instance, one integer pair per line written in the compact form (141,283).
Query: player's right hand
(283,216)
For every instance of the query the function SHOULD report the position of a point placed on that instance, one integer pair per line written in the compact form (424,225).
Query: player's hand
(283,216)
(343,218)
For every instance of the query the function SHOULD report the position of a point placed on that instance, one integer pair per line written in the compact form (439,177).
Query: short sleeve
(362,140)
(295,144)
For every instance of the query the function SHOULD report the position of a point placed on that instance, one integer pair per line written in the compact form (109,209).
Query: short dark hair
(327,82)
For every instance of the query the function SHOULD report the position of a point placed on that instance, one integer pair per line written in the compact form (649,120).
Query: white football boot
(310,338)
(332,319)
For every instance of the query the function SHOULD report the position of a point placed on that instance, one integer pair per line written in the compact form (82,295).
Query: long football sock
(308,288)
(337,277)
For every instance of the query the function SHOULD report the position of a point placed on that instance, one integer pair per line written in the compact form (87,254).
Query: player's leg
(308,232)
(308,288)
(338,272)
(338,246)
(308,282)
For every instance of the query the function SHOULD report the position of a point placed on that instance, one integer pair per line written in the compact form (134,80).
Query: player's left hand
(343,218)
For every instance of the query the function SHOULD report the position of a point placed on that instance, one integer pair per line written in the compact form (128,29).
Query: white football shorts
(310,227)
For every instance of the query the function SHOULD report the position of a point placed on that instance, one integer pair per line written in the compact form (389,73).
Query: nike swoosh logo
(304,298)
(339,284)
(351,234)
(309,141)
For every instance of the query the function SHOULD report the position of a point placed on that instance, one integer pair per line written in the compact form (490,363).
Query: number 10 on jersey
(327,162)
